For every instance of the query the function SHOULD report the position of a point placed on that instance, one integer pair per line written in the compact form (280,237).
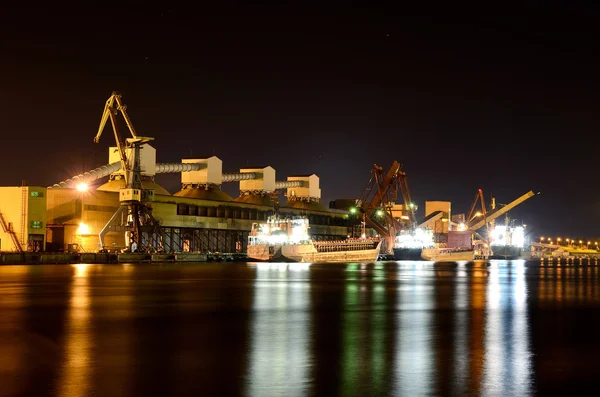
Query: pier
(32,258)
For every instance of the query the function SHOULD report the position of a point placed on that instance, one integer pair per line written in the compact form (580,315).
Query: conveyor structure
(166,168)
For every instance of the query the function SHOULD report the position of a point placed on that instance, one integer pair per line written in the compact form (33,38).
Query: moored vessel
(410,244)
(447,254)
(287,240)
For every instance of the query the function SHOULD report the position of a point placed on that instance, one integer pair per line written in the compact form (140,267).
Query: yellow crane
(134,198)
(114,106)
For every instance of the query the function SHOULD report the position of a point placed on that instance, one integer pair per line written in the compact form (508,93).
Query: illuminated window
(36,224)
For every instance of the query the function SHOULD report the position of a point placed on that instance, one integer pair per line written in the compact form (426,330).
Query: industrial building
(132,210)
(23,218)
(198,218)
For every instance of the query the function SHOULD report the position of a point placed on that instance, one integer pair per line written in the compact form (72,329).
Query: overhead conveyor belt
(89,176)
(164,168)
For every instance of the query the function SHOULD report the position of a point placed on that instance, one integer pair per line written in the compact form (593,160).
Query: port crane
(134,216)
(375,203)
(477,215)
(476,222)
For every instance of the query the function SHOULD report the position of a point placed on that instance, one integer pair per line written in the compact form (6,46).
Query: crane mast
(476,215)
(134,216)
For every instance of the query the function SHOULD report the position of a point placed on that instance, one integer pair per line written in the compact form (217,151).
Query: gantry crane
(134,216)
(375,203)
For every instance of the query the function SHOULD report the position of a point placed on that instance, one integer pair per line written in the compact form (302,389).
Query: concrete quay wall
(35,258)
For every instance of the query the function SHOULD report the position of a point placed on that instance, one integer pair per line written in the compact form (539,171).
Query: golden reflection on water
(476,347)
(74,379)
(567,285)
(14,343)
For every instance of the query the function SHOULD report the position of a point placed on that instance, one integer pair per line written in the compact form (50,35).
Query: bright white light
(280,231)
(513,236)
(83,187)
(518,237)
(499,235)
(275,239)
(299,231)
(420,238)
(83,229)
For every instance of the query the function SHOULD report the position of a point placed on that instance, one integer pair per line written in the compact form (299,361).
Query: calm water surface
(222,329)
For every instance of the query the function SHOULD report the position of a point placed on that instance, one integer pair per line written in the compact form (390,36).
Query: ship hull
(506,252)
(450,256)
(342,256)
(408,254)
(308,253)
(431,254)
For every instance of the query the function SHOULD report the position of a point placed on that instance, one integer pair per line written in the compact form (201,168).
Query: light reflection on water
(280,330)
(507,364)
(75,372)
(414,364)
(13,342)
(259,329)
(460,333)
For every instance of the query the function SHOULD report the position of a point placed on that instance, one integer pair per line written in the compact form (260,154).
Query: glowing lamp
(83,229)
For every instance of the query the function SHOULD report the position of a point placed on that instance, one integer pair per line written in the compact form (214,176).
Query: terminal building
(74,216)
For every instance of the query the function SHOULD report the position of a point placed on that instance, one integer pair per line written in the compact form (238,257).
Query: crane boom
(495,214)
(111,109)
(108,110)
(123,109)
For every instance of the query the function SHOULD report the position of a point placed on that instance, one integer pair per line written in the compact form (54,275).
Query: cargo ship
(508,252)
(287,240)
(418,245)
(508,242)
(410,244)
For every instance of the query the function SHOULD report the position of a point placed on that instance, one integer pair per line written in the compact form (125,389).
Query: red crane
(377,200)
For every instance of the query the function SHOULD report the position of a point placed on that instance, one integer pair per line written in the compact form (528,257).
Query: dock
(34,258)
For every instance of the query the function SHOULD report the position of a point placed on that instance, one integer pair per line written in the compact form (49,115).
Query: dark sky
(507,103)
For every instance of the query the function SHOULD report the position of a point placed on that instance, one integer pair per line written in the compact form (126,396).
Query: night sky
(503,103)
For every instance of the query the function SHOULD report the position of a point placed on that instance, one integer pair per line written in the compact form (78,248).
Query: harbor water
(497,328)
